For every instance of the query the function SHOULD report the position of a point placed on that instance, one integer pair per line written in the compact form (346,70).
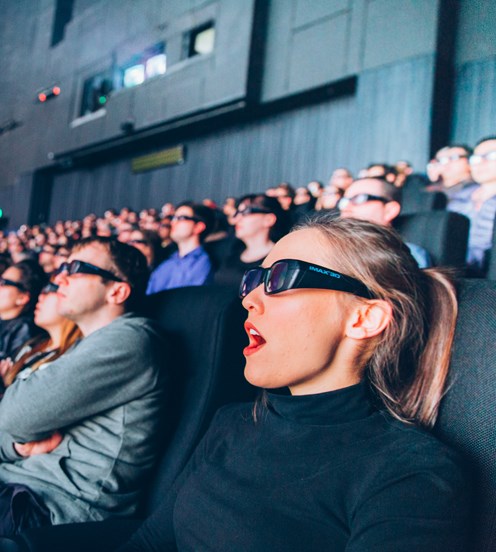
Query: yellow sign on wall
(164,158)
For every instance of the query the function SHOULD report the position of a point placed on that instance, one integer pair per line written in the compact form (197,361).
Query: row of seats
(206,325)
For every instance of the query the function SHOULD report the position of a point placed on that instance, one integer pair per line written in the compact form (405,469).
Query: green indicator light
(102,100)
(1,213)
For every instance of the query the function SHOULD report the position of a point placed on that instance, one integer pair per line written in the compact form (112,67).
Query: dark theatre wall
(266,51)
(295,146)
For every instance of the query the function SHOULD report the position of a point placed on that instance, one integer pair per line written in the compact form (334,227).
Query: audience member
(328,201)
(303,203)
(382,170)
(61,255)
(229,208)
(125,229)
(20,286)
(46,258)
(341,178)
(404,169)
(190,265)
(39,351)
(340,461)
(149,243)
(482,206)
(315,188)
(79,438)
(455,179)
(285,193)
(378,201)
(259,222)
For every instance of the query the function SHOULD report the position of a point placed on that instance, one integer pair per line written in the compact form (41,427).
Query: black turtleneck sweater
(314,473)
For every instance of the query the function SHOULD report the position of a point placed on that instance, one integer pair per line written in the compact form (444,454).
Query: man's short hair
(486,139)
(467,149)
(126,262)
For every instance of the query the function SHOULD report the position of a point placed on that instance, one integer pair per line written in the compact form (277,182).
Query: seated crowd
(85,375)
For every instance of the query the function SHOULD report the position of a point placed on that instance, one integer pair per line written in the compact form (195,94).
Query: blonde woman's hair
(408,367)
(70,334)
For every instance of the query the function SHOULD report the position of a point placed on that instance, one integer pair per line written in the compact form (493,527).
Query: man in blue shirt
(190,265)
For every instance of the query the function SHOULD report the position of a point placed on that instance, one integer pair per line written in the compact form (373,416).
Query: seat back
(444,234)
(206,326)
(414,200)
(467,418)
(218,250)
(491,268)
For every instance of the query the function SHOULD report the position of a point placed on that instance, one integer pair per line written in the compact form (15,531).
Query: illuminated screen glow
(156,65)
(134,75)
(205,41)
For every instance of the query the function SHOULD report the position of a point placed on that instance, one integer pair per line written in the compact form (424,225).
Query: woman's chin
(258,374)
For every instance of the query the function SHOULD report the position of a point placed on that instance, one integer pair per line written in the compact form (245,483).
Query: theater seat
(206,328)
(444,234)
(417,200)
(491,268)
(467,418)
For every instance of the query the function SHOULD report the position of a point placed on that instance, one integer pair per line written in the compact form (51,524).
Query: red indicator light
(42,97)
(56,90)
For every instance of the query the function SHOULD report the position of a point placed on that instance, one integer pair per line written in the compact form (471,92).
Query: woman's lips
(255,338)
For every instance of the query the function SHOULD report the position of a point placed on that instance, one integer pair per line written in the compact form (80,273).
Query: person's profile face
(341,178)
(46,314)
(302,196)
(137,240)
(84,295)
(249,225)
(453,165)
(371,211)
(295,335)
(484,171)
(183,224)
(330,197)
(11,297)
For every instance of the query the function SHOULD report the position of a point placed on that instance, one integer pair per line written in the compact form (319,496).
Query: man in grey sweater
(81,434)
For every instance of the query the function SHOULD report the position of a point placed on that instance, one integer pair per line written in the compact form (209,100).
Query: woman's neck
(257,247)
(55,334)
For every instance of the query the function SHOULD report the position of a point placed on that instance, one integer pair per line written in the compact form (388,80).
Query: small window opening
(199,41)
(96,91)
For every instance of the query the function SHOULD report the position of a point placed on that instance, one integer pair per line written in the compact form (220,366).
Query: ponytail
(420,400)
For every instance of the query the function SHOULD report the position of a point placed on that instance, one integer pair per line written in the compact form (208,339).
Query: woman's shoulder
(416,448)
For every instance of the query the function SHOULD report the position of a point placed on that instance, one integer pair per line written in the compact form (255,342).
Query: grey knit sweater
(106,396)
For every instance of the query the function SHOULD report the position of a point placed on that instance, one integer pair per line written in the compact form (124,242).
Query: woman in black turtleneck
(343,462)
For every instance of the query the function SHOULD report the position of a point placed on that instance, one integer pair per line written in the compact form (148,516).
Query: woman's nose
(254,301)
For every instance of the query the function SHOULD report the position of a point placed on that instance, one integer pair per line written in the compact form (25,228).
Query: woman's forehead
(307,244)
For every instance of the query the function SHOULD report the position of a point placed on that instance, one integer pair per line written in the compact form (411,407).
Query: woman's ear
(369,319)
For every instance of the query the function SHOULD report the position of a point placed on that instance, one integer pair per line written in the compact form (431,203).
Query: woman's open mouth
(255,338)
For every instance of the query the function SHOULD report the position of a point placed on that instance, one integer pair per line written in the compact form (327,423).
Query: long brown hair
(70,334)
(408,366)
